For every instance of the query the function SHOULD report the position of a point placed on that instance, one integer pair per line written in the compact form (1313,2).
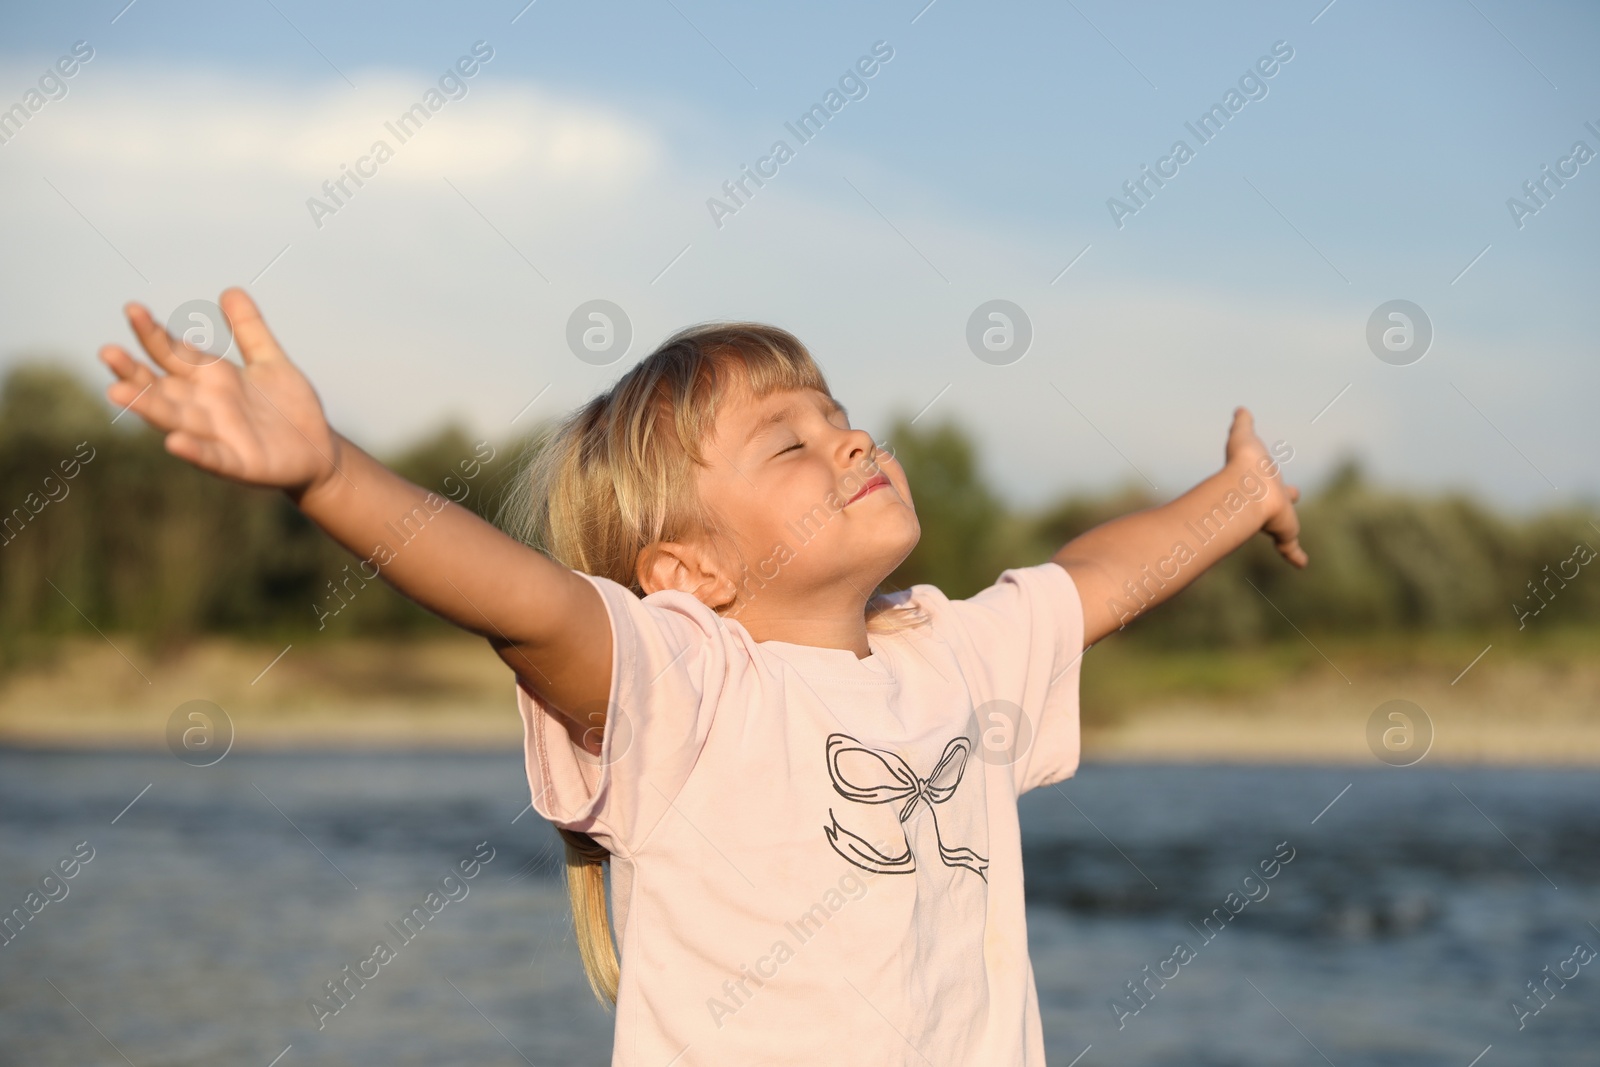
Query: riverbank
(1519,703)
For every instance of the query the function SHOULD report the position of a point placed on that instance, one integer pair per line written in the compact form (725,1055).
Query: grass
(1124,676)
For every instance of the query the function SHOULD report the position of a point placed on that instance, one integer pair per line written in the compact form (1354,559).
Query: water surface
(1413,911)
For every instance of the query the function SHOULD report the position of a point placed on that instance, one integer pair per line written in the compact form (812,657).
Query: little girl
(806,794)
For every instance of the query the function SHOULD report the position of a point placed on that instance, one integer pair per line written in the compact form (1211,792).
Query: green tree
(959,514)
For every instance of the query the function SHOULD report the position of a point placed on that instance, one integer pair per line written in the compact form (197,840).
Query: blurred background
(352,746)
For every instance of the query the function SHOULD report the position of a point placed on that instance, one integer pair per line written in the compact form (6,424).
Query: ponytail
(586,888)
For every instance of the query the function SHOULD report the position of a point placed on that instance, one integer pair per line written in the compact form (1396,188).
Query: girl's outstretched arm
(1124,567)
(262,424)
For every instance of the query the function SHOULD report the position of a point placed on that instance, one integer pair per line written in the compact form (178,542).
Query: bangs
(730,359)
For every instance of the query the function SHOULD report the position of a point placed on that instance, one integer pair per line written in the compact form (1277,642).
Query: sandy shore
(454,693)
(439,693)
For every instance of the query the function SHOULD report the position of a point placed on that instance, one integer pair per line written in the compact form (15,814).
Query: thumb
(250,333)
(1241,431)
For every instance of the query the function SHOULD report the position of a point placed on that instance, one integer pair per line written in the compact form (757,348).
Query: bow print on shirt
(893,781)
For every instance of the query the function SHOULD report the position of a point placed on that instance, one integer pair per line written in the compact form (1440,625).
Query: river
(1407,916)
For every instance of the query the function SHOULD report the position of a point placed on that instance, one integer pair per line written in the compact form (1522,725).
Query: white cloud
(227,126)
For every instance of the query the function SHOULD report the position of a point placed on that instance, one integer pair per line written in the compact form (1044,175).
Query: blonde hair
(618,475)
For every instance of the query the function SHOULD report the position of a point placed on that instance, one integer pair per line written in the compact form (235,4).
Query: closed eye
(791,448)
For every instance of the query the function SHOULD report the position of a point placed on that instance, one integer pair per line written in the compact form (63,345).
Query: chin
(902,545)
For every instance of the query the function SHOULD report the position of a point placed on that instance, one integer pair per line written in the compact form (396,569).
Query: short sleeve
(668,663)
(1024,638)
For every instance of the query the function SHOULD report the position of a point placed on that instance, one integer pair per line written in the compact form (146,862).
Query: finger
(125,367)
(158,402)
(1292,552)
(250,333)
(1240,433)
(1285,533)
(156,341)
(124,394)
(1294,494)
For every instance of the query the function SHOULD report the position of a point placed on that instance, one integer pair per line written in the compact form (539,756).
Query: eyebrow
(787,411)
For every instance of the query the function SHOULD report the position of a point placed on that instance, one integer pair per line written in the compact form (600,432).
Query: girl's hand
(1245,453)
(260,424)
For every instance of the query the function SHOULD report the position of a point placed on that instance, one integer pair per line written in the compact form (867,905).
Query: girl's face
(811,505)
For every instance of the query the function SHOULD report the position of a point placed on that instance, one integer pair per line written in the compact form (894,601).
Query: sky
(983,159)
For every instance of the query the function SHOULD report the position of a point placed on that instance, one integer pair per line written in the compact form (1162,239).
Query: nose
(859,447)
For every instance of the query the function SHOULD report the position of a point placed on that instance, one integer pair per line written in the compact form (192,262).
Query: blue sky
(977,166)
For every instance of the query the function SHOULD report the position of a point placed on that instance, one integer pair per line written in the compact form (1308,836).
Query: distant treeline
(101,529)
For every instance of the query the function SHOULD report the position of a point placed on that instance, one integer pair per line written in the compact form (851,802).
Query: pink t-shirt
(816,857)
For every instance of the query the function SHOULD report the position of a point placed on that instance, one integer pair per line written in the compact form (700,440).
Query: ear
(688,568)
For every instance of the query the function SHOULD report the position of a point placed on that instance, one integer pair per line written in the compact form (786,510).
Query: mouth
(877,481)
